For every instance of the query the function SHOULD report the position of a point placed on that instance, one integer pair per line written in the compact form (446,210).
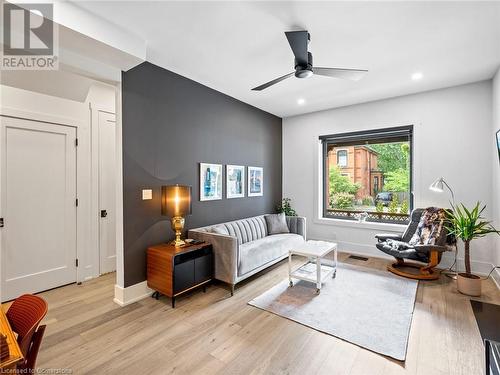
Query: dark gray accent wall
(170,125)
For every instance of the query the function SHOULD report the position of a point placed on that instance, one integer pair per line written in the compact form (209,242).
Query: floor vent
(358,258)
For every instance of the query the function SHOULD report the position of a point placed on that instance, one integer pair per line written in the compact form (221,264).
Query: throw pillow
(276,224)
(220,229)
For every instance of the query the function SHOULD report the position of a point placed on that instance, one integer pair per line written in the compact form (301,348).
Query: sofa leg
(232,290)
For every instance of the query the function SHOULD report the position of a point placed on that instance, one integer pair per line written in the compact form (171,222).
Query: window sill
(387,227)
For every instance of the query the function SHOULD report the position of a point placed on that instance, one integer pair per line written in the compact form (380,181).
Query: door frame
(84,245)
(80,178)
(94,155)
(120,266)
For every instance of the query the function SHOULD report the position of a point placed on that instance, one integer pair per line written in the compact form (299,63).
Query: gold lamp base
(177,227)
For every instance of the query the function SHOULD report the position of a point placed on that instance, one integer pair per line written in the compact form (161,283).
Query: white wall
(76,24)
(452,138)
(32,104)
(496,169)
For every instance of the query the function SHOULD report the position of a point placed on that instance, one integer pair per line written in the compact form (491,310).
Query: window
(342,158)
(377,180)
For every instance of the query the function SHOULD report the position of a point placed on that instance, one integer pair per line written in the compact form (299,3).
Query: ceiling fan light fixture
(303,73)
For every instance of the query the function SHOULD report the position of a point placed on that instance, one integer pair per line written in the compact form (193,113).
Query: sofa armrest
(297,225)
(225,250)
(388,236)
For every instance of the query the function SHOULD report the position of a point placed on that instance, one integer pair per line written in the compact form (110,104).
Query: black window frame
(382,135)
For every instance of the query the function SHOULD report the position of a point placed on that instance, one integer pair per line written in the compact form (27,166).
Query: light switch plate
(147,194)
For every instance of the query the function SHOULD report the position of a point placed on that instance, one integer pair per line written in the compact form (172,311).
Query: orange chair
(24,316)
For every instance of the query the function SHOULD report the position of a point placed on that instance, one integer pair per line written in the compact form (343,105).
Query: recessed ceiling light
(416,76)
(301,101)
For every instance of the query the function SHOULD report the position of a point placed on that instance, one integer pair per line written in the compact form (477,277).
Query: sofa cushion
(276,223)
(219,229)
(247,230)
(259,252)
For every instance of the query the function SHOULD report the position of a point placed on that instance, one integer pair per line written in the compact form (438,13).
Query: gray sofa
(243,247)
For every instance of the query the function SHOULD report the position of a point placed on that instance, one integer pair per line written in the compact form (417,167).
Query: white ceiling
(234,46)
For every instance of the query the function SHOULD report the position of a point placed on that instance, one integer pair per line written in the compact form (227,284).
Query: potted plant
(468,225)
(286,207)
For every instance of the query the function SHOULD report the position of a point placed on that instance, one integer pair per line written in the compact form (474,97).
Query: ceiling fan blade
(298,42)
(351,74)
(273,82)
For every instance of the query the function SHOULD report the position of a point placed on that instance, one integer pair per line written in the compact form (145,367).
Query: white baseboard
(357,248)
(478,267)
(134,293)
(131,294)
(496,277)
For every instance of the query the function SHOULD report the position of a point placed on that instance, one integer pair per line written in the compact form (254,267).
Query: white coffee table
(318,267)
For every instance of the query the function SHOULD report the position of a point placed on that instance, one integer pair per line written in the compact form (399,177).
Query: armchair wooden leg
(232,290)
(433,262)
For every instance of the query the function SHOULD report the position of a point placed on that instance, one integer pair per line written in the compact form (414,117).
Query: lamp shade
(175,200)
(437,185)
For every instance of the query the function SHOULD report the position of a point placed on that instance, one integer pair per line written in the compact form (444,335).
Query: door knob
(104,213)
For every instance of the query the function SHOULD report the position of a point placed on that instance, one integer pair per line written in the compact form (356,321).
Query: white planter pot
(469,284)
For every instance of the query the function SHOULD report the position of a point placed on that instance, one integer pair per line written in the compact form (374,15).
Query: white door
(107,172)
(38,205)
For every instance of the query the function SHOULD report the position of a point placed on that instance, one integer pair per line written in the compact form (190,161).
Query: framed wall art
(255,181)
(210,182)
(235,181)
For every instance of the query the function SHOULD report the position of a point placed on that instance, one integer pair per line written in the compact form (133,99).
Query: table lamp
(176,203)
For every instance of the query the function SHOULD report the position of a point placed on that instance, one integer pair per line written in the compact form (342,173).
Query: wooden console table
(172,270)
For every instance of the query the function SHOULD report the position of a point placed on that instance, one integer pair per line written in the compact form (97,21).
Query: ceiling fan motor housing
(304,71)
(303,62)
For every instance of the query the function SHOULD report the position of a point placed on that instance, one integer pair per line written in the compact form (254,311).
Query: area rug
(369,308)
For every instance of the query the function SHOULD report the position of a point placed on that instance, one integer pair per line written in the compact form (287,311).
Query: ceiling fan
(304,63)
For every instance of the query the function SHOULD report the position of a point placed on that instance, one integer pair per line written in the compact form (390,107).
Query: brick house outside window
(360,164)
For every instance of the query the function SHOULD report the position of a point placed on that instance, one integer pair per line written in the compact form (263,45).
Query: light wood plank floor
(214,333)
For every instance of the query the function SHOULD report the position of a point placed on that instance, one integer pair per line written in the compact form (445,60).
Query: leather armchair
(399,246)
